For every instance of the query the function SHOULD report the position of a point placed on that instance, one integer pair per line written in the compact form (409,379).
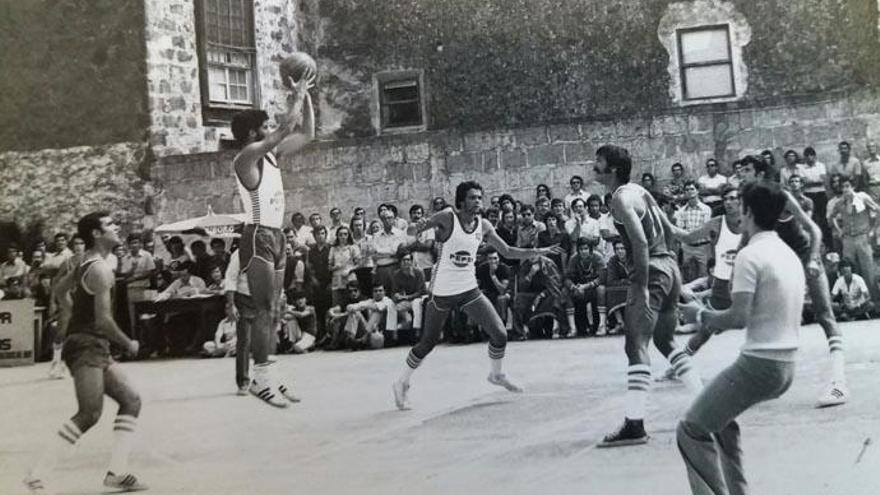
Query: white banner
(17,332)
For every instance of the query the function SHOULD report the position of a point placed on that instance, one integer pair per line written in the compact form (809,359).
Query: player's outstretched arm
(812,229)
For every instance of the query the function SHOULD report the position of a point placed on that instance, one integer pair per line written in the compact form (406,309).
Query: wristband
(700,317)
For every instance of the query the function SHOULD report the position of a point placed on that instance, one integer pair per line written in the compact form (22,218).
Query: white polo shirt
(773,273)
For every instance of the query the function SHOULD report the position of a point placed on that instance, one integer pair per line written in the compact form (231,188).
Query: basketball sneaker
(35,486)
(125,482)
(501,380)
(400,389)
(288,393)
(242,390)
(667,376)
(834,396)
(631,433)
(267,393)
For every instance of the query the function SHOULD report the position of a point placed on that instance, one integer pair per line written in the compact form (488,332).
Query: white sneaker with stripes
(35,486)
(834,396)
(268,393)
(125,482)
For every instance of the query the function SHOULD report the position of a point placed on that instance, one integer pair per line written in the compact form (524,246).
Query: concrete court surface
(462,436)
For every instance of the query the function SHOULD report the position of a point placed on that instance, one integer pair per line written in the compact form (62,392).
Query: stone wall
(57,186)
(408,169)
(510,63)
(175,102)
(72,73)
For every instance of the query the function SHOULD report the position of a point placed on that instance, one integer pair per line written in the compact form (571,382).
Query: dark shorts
(664,287)
(262,243)
(720,298)
(445,304)
(84,349)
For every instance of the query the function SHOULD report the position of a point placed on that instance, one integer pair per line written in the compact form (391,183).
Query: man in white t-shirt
(852,291)
(768,296)
(711,184)
(577,184)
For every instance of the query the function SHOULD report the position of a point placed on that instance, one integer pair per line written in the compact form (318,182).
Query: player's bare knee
(131,404)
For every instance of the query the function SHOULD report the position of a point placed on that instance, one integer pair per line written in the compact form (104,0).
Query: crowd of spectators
(359,281)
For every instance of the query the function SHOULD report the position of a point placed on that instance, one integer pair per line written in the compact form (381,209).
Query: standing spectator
(854,299)
(835,194)
(792,167)
(385,247)
(296,276)
(695,255)
(557,206)
(344,257)
(735,178)
(335,223)
(219,256)
(507,203)
(359,212)
(438,204)
(542,208)
(493,278)
(495,202)
(555,235)
(650,184)
(240,308)
(542,191)
(320,277)
(854,218)
(399,223)
(215,281)
(201,259)
(815,181)
(607,230)
(14,266)
(529,228)
(139,268)
(768,158)
(35,270)
(584,279)
(848,166)
(493,215)
(796,186)
(675,188)
(581,224)
(408,288)
(577,191)
(508,231)
(55,259)
(710,186)
(302,232)
(364,268)
(423,246)
(871,166)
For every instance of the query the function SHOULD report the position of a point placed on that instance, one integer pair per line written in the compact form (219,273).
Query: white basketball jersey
(265,204)
(725,251)
(455,272)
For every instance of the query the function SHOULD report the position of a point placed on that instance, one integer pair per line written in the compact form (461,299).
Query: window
(401,105)
(706,63)
(227,57)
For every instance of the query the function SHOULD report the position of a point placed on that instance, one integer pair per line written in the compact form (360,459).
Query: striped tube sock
(412,362)
(603,312)
(123,432)
(684,370)
(835,346)
(63,443)
(496,356)
(638,379)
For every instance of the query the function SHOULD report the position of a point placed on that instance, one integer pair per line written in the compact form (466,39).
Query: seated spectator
(185,285)
(494,279)
(584,280)
(224,343)
(555,235)
(851,295)
(42,291)
(493,215)
(56,258)
(215,281)
(542,208)
(15,289)
(616,286)
(176,256)
(557,206)
(219,256)
(14,266)
(408,291)
(581,224)
(202,260)
(540,303)
(35,270)
(299,326)
(360,323)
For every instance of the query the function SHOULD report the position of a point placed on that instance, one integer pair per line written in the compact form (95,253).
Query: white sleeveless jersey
(265,204)
(725,251)
(454,272)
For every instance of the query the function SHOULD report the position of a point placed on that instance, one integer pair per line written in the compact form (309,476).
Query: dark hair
(198,245)
(726,188)
(677,164)
(844,262)
(575,200)
(87,224)
(541,199)
(842,143)
(545,186)
(592,197)
(175,240)
(691,182)
(392,209)
(711,160)
(525,208)
(462,189)
(186,265)
(649,175)
(297,294)
(318,229)
(560,221)
(756,163)
(415,207)
(809,151)
(796,176)
(132,237)
(403,254)
(220,242)
(296,216)
(377,285)
(506,197)
(618,159)
(556,201)
(490,249)
(770,154)
(246,121)
(616,242)
(576,177)
(765,200)
(61,234)
(586,241)
(355,219)
(336,241)
(492,210)
(846,179)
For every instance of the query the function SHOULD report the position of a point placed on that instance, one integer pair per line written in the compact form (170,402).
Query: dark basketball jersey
(83,318)
(791,233)
(652,226)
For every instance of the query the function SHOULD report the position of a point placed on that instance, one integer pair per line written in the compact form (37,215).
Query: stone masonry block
(790,136)
(491,161)
(530,136)
(567,133)
(701,122)
(418,152)
(481,141)
(464,163)
(548,154)
(839,109)
(421,171)
(513,159)
(580,152)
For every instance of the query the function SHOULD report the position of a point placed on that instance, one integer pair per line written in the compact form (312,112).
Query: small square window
(400,102)
(706,63)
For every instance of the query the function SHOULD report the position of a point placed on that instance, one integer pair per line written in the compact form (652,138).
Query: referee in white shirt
(768,295)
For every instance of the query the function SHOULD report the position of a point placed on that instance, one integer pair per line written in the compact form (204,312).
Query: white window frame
(728,62)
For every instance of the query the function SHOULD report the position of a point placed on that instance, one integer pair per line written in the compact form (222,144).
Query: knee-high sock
(684,370)
(63,443)
(412,362)
(638,379)
(835,346)
(496,356)
(123,433)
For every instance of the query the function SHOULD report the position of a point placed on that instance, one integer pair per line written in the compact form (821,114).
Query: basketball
(295,66)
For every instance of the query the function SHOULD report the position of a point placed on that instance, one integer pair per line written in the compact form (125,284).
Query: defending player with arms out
(652,297)
(261,250)
(86,351)
(460,231)
(767,299)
